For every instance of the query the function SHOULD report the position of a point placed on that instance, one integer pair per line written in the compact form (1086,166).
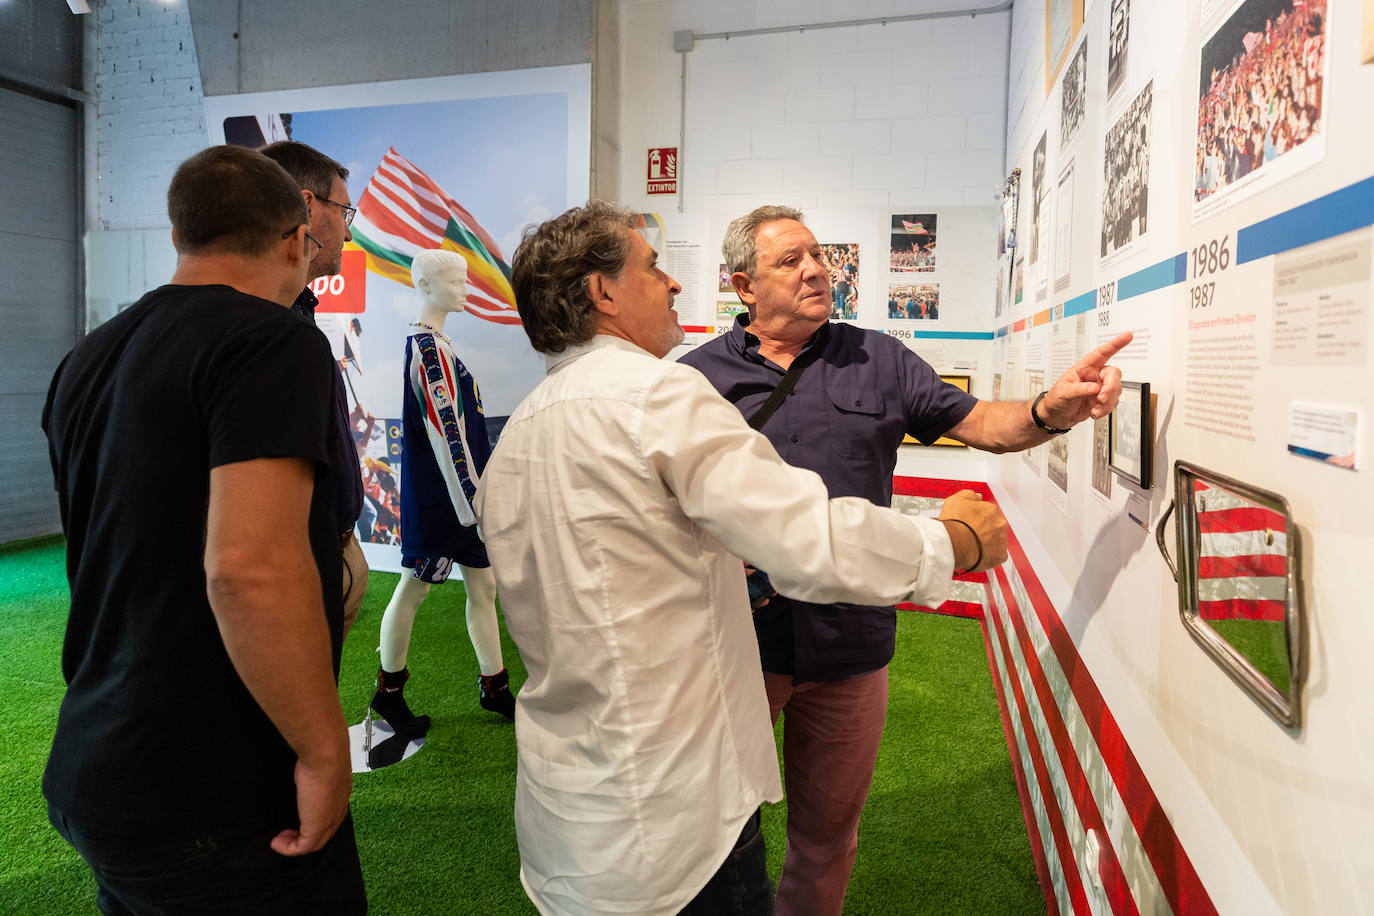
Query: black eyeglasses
(348,211)
(292,231)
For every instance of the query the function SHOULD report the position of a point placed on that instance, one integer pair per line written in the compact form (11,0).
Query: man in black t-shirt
(201,759)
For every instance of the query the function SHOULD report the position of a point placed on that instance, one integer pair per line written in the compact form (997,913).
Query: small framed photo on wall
(1131,435)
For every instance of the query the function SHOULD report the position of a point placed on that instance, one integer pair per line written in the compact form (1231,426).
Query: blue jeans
(741,886)
(228,872)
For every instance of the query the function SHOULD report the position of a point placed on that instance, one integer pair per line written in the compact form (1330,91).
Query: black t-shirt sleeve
(269,394)
(932,406)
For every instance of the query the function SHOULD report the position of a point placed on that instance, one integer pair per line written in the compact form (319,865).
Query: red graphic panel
(346,291)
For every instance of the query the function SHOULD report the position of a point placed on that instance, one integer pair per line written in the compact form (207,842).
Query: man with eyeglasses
(321,181)
(201,761)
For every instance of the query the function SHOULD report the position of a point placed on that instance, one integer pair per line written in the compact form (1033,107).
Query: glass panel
(1241,571)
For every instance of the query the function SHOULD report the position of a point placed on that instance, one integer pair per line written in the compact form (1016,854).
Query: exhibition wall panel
(1197,173)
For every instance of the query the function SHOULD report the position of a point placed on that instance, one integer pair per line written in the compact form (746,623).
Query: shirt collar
(305,303)
(553,361)
(747,345)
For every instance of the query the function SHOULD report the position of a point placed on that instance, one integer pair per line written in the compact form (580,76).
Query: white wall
(866,116)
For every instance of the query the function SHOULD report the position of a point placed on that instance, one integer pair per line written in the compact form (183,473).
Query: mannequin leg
(493,687)
(397,622)
(483,629)
(399,619)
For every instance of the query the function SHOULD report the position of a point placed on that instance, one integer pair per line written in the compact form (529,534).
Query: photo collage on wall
(911,295)
(727,300)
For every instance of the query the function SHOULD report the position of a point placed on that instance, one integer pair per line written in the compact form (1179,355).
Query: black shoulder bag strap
(789,381)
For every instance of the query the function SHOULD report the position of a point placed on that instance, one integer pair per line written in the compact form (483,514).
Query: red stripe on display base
(1109,867)
(1037,845)
(697,328)
(1243,609)
(1225,521)
(1182,886)
(936,487)
(1067,863)
(1262,564)
(970,609)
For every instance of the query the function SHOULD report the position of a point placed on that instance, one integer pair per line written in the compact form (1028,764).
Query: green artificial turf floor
(942,832)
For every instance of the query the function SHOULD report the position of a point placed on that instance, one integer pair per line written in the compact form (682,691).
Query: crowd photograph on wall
(912,249)
(1260,90)
(913,300)
(842,263)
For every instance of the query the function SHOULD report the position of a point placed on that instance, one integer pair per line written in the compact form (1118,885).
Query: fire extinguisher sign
(663,170)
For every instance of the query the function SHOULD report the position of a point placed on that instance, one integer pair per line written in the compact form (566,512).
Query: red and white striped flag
(403,211)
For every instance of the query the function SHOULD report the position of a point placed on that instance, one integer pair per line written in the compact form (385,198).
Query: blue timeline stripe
(1342,211)
(1156,276)
(954,335)
(1080,304)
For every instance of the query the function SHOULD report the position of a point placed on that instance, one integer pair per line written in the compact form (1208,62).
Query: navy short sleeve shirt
(844,420)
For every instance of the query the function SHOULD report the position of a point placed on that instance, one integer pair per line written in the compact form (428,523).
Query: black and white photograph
(1118,39)
(1261,108)
(1073,95)
(1039,161)
(1057,467)
(1035,383)
(1006,239)
(1126,175)
(1130,444)
(913,300)
(1102,475)
(842,262)
(1063,229)
(913,243)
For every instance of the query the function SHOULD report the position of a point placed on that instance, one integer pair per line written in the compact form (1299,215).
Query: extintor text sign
(663,170)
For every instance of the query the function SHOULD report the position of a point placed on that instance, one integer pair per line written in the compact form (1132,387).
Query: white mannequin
(440,277)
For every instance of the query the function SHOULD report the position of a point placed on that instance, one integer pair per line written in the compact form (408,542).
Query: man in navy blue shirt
(331,213)
(826,665)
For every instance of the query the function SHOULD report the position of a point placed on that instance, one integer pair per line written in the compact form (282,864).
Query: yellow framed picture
(963,383)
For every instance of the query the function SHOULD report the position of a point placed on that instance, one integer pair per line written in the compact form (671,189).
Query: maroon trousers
(830,737)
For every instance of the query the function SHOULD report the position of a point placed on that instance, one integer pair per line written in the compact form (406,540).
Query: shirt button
(858,403)
(793,437)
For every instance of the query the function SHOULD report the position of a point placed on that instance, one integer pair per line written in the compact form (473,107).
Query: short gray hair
(740,252)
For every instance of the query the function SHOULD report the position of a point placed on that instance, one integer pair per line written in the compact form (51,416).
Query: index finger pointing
(1098,356)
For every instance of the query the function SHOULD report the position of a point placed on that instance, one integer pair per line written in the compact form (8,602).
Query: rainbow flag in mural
(403,211)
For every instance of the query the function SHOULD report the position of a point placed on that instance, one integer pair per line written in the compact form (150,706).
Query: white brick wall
(149,115)
(868,116)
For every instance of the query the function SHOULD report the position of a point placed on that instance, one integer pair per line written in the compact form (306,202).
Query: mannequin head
(440,277)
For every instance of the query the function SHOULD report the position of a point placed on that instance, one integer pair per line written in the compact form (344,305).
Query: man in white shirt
(615,508)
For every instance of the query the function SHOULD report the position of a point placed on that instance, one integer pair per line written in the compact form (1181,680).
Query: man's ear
(423,285)
(295,247)
(599,290)
(744,287)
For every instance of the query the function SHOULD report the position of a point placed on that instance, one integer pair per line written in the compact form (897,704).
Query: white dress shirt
(615,507)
